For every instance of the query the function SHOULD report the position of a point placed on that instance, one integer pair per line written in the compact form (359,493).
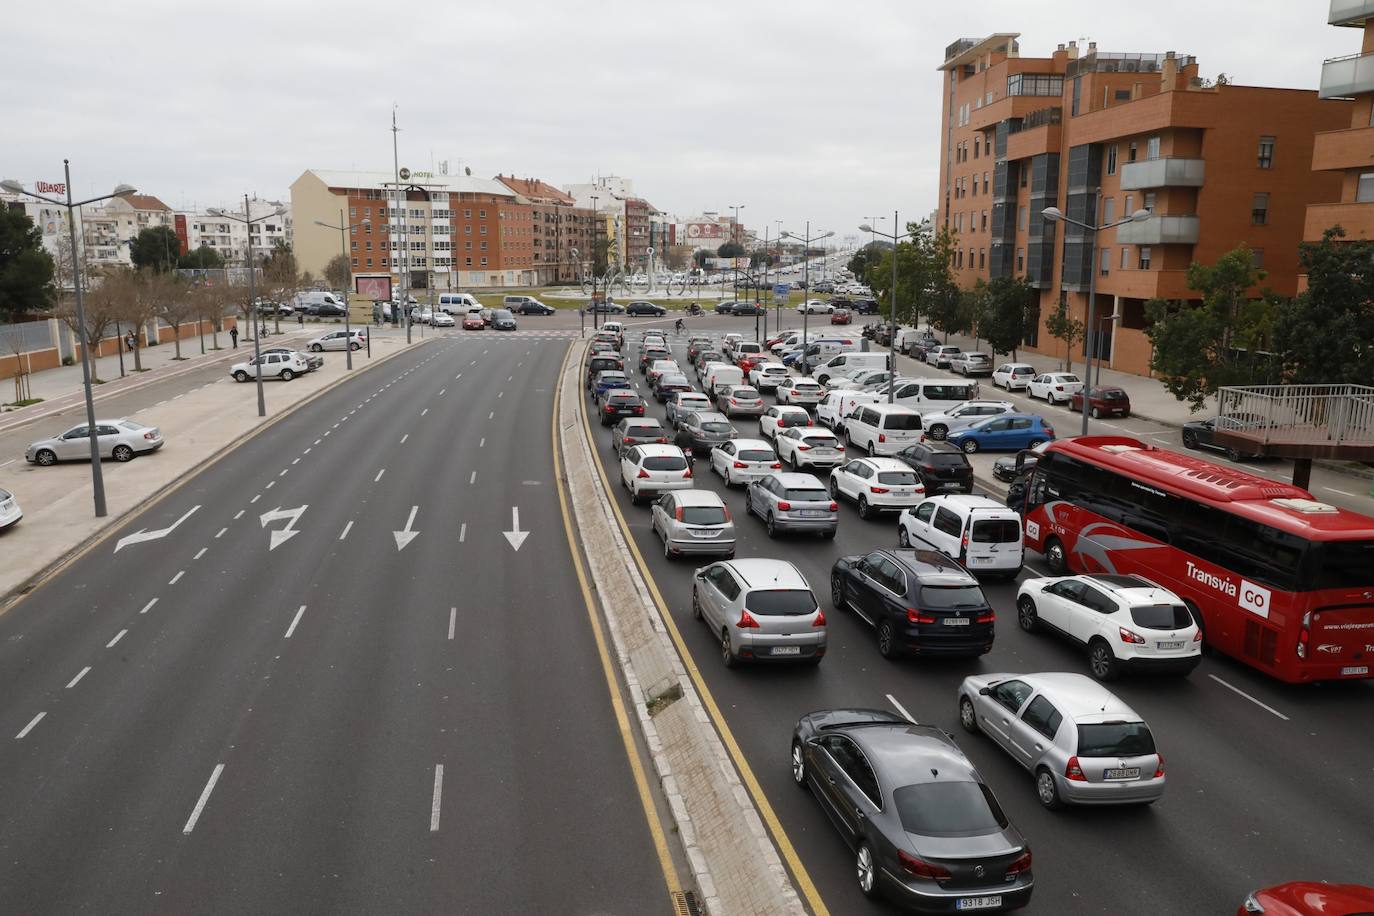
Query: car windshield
(1161,616)
(898,478)
(783,602)
(996,531)
(756,454)
(806,495)
(947,597)
(902,421)
(665,463)
(1115,739)
(948,809)
(715,426)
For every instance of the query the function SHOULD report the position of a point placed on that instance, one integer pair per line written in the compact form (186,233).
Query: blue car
(607,380)
(1008,432)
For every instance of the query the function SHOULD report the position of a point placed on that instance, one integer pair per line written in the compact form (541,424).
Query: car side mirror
(985,691)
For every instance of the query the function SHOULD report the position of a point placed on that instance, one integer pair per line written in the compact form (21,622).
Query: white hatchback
(646,470)
(10,513)
(767,376)
(815,307)
(1013,376)
(877,484)
(1055,387)
(742,460)
(781,417)
(801,391)
(809,447)
(338,340)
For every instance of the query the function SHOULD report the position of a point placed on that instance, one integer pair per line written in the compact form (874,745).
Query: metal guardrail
(1334,414)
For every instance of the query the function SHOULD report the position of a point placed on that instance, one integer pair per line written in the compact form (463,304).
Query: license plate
(1122,773)
(814,513)
(956,621)
(786,650)
(978,903)
(1355,669)
(1172,644)
(973,560)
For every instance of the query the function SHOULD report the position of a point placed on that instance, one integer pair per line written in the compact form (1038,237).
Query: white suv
(284,366)
(1126,623)
(941,423)
(877,484)
(647,470)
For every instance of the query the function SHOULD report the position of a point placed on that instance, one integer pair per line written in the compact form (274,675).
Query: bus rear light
(1304,634)
(1129,636)
(1074,772)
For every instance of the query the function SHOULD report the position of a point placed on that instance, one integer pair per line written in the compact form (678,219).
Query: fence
(1302,414)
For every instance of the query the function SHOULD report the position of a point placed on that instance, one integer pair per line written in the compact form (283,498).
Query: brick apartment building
(454,231)
(1348,153)
(1101,135)
(560,227)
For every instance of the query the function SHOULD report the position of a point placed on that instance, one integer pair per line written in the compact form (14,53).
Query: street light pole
(891,303)
(806,282)
(596,216)
(348,284)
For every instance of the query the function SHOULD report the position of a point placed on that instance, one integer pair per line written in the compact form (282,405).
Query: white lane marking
(473,478)
(1334,490)
(442,391)
(8,463)
(200,553)
(1247,696)
(483,443)
(404,438)
(270,484)
(284,470)
(510,378)
(379,475)
(255,499)
(452,620)
(485,352)
(902,709)
(425,411)
(458,376)
(500,394)
(178,397)
(148,607)
(239,515)
(221,532)
(177,577)
(297,619)
(347,528)
(462,532)
(491,415)
(295,461)
(204,797)
(79,675)
(28,728)
(117,638)
(334,427)
(473,363)
(317,442)
(328,431)
(438,796)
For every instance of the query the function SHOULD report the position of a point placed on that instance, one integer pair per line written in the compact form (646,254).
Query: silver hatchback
(743,400)
(761,610)
(1083,745)
(793,502)
(693,522)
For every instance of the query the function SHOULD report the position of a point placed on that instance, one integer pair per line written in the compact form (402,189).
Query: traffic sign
(780,293)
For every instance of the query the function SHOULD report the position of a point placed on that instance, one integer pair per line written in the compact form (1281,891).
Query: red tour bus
(1276,579)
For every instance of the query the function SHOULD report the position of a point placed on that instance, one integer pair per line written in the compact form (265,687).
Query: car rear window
(783,602)
(898,478)
(821,442)
(996,531)
(756,454)
(715,426)
(948,809)
(903,421)
(793,419)
(1023,370)
(1115,739)
(1161,616)
(622,396)
(644,429)
(665,463)
(745,393)
(1112,394)
(702,515)
(807,495)
(946,459)
(948,597)
(131,425)
(806,386)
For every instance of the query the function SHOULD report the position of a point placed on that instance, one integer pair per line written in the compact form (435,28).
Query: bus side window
(1035,495)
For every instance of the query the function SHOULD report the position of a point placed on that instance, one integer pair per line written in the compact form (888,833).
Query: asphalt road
(1258,794)
(228,727)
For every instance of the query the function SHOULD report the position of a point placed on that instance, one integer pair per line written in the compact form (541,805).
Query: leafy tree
(699,257)
(337,271)
(138,296)
(1226,339)
(203,258)
(1008,303)
(1326,333)
(1062,326)
(866,257)
(26,270)
(731,250)
(156,248)
(760,257)
(973,307)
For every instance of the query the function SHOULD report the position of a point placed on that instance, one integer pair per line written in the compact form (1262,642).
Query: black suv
(645,308)
(617,404)
(920,602)
(941,467)
(600,362)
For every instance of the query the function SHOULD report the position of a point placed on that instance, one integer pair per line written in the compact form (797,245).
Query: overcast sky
(797,109)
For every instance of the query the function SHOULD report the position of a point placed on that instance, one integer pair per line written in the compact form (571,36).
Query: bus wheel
(1055,557)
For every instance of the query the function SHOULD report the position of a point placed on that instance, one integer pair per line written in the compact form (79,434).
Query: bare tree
(336,272)
(102,308)
(281,276)
(139,300)
(176,306)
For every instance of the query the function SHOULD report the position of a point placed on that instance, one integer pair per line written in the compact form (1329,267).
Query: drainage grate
(685,904)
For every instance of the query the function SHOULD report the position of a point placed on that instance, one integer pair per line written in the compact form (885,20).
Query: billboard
(705,231)
(376,289)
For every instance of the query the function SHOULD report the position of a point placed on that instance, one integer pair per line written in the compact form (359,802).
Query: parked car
(10,513)
(1308,898)
(686,402)
(841,316)
(762,610)
(640,307)
(969,363)
(442,320)
(284,366)
(1200,434)
(792,502)
(313,361)
(1013,376)
(882,429)
(1081,743)
(701,431)
(637,430)
(877,485)
(865,306)
(741,400)
(1125,623)
(472,321)
(926,831)
(615,404)
(1008,432)
(693,522)
(809,447)
(742,460)
(1103,401)
(981,534)
(940,356)
(338,340)
(121,439)
(941,466)
(940,423)
(648,470)
(1054,387)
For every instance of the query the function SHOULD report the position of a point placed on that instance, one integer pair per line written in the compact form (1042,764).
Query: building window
(352,212)
(369,263)
(467,262)
(467,214)
(1364,190)
(1125,258)
(386,262)
(369,244)
(1259,209)
(352,230)
(1152,148)
(1266,153)
(1022,218)
(970,258)
(1257,257)
(1144,262)
(982,258)
(355,263)
(977,146)
(1131,151)
(1105,261)
(1149,202)
(1025,175)
(484,262)
(353,245)
(481,214)
(1111,159)
(1020,260)
(975,185)
(483,230)
(1077,94)
(1130,205)
(1122,95)
(984,226)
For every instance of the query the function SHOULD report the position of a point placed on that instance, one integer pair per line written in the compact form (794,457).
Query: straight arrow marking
(406,536)
(515,536)
(144,534)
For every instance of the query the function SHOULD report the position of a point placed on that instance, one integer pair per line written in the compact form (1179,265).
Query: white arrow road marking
(515,536)
(144,534)
(405,537)
(282,535)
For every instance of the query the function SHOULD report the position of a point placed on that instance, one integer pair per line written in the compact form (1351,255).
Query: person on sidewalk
(300,316)
(234,336)
(129,342)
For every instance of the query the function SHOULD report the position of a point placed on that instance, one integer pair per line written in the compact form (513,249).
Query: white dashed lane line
(379,475)
(473,478)
(347,528)
(79,675)
(200,553)
(148,607)
(118,636)
(30,727)
(238,515)
(177,577)
(204,797)
(404,438)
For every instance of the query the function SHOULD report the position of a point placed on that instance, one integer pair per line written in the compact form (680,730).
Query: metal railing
(1350,11)
(1344,77)
(1330,414)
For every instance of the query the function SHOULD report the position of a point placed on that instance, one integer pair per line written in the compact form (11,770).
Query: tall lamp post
(121,190)
(891,303)
(1055,215)
(348,284)
(247,219)
(596,231)
(735,236)
(806,241)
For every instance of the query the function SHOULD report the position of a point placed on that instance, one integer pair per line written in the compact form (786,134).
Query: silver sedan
(118,439)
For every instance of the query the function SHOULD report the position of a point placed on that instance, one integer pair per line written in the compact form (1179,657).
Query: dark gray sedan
(704,430)
(926,830)
(633,431)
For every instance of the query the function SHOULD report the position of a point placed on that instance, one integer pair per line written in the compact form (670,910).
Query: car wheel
(240,376)
(667,551)
(45,457)
(967,717)
(1025,614)
(1101,662)
(887,640)
(1189,440)
(866,871)
(1046,790)
(315,348)
(748,503)
(287,375)
(1096,414)
(355,346)
(1034,442)
(772,526)
(903,539)
(727,654)
(696,605)
(938,431)
(1233,455)
(834,490)
(122,453)
(969,446)
(837,598)
(865,511)
(798,765)
(1055,557)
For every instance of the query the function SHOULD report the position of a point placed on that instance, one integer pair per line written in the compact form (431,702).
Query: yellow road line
(665,859)
(789,853)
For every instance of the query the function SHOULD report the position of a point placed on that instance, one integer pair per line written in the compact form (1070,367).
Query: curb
(16,594)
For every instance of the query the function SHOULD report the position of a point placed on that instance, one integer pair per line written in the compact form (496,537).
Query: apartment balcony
(1351,12)
(1347,77)
(1338,150)
(1357,219)
(1160,230)
(1169,172)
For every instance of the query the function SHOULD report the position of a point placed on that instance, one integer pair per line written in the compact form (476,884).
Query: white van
(926,395)
(848,362)
(883,429)
(837,405)
(982,534)
(719,375)
(457,303)
(319,297)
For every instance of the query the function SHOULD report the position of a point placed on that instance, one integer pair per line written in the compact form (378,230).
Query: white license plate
(1172,644)
(979,560)
(814,513)
(1122,773)
(1355,669)
(956,621)
(978,903)
(786,650)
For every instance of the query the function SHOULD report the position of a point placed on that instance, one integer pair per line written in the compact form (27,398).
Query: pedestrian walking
(129,341)
(234,336)
(300,316)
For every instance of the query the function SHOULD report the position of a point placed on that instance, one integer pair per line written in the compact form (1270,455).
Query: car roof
(891,408)
(692,396)
(655,449)
(812,432)
(1017,415)
(906,753)
(641,421)
(1077,696)
(751,443)
(885,464)
(758,573)
(713,415)
(791,408)
(698,497)
(794,479)
(1132,588)
(930,566)
(969,503)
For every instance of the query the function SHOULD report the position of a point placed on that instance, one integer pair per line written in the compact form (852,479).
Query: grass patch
(27,402)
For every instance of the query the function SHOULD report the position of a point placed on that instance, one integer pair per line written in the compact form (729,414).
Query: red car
(1105,401)
(841,316)
(1309,898)
(473,322)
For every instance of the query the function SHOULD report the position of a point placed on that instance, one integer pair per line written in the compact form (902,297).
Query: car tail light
(921,868)
(741,464)
(820,622)
(643,474)
(746,622)
(733,401)
(1304,634)
(1159,767)
(688,474)
(662,440)
(784,507)
(1022,863)
(1197,636)
(838,447)
(1058,387)
(989,616)
(1131,637)
(1074,772)
(626,440)
(882,437)
(150,435)
(775,465)
(639,409)
(916,616)
(678,512)
(808,421)
(803,448)
(879,490)
(963,544)
(834,506)
(726,509)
